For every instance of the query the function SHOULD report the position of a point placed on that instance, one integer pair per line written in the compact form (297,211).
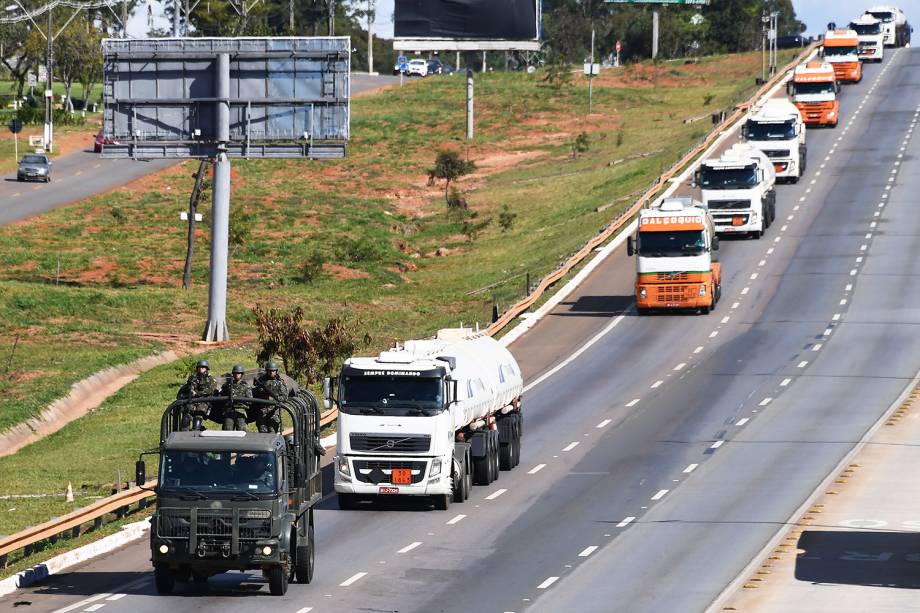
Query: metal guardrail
(626,216)
(120,502)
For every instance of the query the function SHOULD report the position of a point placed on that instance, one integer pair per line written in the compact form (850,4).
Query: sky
(815,13)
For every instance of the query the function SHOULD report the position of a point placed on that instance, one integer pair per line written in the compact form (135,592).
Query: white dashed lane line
(603,424)
(496,494)
(409,547)
(742,421)
(659,495)
(570,446)
(587,551)
(717,444)
(690,468)
(632,402)
(461,517)
(548,582)
(626,521)
(351,580)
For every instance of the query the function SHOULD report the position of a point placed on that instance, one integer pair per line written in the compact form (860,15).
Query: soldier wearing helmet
(270,386)
(237,391)
(199,385)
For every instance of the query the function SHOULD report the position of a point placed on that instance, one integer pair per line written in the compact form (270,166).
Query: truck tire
(347,502)
(164,579)
(305,559)
(441,502)
(496,450)
(277,580)
(803,160)
(520,435)
(460,491)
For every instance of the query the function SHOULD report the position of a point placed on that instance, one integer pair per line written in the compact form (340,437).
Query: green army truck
(235,500)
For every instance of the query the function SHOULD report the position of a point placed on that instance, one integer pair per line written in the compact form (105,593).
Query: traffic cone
(68,497)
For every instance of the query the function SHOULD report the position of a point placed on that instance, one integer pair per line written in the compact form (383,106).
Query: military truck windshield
(728,178)
(866,28)
(771,131)
(218,473)
(884,16)
(671,244)
(825,87)
(835,52)
(391,395)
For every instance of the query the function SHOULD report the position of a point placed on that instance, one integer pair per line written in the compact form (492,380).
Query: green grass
(91,276)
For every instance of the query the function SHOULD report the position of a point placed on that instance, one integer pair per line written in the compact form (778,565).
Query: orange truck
(677,257)
(841,50)
(814,89)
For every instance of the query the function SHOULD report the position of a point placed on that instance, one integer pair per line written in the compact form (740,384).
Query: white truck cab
(738,188)
(871,38)
(776,128)
(895,28)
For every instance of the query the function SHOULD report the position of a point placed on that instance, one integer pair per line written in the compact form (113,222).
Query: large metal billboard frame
(286,97)
(472,44)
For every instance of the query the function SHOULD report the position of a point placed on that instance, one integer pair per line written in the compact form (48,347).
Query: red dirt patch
(99,271)
(343,272)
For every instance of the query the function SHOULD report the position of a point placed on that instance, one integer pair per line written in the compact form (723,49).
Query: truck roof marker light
(222,434)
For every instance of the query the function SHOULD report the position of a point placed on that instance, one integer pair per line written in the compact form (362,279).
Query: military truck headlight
(643,293)
(435,468)
(702,290)
(266,551)
(342,465)
(164,549)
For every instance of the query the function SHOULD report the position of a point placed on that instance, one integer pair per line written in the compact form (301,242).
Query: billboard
(467,25)
(267,97)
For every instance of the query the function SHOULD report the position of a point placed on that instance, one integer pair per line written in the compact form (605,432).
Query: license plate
(737,221)
(401,476)
(387,489)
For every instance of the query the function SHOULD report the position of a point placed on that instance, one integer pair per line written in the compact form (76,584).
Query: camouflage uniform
(198,385)
(234,417)
(268,418)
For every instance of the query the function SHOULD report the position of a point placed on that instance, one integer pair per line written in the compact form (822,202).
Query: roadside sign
(184,216)
(592,70)
(15,125)
(33,80)
(403,62)
(42,73)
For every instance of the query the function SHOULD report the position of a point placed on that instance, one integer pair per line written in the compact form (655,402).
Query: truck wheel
(305,560)
(482,470)
(163,578)
(518,435)
(496,451)
(506,456)
(277,580)
(347,502)
(441,502)
(460,492)
(468,479)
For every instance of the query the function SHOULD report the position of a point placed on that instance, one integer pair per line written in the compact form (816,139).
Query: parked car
(103,140)
(792,41)
(418,68)
(435,66)
(34,167)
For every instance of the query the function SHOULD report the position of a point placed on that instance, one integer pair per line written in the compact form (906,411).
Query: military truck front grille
(729,204)
(671,276)
(385,443)
(254,529)
(173,523)
(776,153)
(378,471)
(214,523)
(675,294)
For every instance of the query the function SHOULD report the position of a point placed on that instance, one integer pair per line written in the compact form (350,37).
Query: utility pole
(469,99)
(591,75)
(124,21)
(331,5)
(49,87)
(654,33)
(176,18)
(370,36)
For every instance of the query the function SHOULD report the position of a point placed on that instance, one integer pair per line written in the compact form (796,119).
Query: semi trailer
(427,419)
(776,128)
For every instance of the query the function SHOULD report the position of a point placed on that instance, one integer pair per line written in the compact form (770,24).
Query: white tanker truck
(428,419)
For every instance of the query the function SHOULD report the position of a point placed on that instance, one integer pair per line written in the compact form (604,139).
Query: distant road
(83,174)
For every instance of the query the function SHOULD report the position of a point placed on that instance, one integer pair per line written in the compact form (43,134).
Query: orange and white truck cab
(677,260)
(814,91)
(841,51)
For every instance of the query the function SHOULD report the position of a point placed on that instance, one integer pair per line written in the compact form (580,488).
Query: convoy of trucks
(427,419)
(895,28)
(738,189)
(776,128)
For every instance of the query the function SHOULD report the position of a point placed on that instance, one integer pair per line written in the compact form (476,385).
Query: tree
(77,58)
(14,56)
(450,167)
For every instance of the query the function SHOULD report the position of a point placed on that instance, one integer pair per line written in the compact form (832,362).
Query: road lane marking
(659,495)
(745,291)
(698,349)
(548,582)
(803,363)
(761,263)
(843,301)
(94,607)
(575,355)
(626,521)
(409,547)
(496,494)
(115,597)
(753,276)
(680,366)
(725,319)
(828,331)
(766,401)
(817,347)
(17,194)
(570,446)
(735,305)
(848,288)
(305,610)
(690,468)
(603,424)
(742,421)
(460,517)
(717,444)
(632,402)
(836,316)
(352,579)
(785,382)
(587,551)
(714,334)
(657,384)
(83,602)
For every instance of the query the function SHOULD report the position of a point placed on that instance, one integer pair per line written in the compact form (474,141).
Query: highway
(84,174)
(658,461)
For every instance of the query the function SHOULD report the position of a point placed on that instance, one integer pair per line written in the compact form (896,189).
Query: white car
(418,68)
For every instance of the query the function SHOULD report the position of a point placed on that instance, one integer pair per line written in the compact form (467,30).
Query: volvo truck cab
(738,189)
(776,128)
(871,39)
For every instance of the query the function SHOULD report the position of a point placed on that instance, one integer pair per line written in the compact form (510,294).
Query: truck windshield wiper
(186,493)
(371,411)
(241,495)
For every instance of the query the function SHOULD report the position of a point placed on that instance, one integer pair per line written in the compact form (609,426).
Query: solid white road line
(409,547)
(352,579)
(496,494)
(690,468)
(587,551)
(575,355)
(116,597)
(549,581)
(570,446)
(626,521)
(460,517)
(659,495)
(602,424)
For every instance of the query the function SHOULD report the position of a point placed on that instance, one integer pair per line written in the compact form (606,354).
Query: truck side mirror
(744,132)
(789,88)
(630,248)
(451,391)
(300,474)
(715,243)
(140,473)
(327,392)
(695,182)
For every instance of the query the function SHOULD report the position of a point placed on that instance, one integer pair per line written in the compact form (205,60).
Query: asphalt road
(83,174)
(659,461)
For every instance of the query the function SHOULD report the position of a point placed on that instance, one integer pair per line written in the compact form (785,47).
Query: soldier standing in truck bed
(200,385)
(270,387)
(234,417)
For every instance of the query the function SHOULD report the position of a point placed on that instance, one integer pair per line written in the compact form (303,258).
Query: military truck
(236,500)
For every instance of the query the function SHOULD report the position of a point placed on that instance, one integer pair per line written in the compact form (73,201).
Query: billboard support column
(484,61)
(654,34)
(469,100)
(216,328)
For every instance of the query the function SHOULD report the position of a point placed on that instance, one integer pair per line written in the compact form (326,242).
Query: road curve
(659,461)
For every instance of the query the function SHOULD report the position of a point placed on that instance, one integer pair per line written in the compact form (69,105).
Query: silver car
(34,167)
